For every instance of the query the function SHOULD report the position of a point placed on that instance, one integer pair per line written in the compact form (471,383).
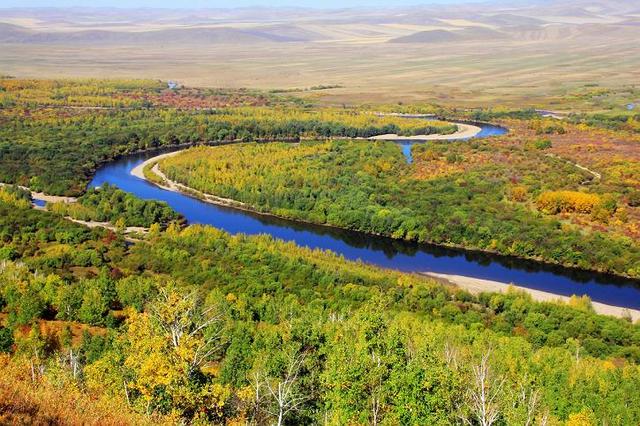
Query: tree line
(368,187)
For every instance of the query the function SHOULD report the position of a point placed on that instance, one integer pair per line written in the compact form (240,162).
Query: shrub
(539,144)
(518,193)
(554,202)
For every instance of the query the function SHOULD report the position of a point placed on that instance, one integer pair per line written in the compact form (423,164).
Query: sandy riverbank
(108,225)
(473,285)
(476,285)
(138,171)
(171,185)
(465,131)
(44,197)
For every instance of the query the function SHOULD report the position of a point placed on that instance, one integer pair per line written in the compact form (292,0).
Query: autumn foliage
(554,202)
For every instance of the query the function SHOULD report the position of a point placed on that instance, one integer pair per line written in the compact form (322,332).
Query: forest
(54,145)
(454,194)
(187,324)
(195,325)
(109,204)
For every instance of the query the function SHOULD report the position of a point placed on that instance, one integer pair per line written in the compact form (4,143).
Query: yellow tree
(167,347)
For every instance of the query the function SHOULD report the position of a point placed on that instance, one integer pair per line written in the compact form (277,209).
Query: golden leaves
(554,202)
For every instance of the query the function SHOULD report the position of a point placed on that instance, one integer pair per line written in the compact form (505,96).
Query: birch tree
(285,391)
(482,405)
(187,325)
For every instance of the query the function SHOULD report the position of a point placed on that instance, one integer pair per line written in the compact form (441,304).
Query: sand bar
(476,285)
(465,131)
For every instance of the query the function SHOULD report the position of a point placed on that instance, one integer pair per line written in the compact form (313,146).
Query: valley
(315,214)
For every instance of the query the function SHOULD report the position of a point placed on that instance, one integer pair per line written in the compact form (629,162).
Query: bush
(539,144)
(6,339)
(518,193)
(554,202)
(542,144)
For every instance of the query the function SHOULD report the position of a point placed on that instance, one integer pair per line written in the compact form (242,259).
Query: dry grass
(23,402)
(466,74)
(525,63)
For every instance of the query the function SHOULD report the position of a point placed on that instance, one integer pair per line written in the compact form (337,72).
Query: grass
(44,402)
(464,74)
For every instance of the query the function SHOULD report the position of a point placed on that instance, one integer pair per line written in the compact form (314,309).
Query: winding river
(385,252)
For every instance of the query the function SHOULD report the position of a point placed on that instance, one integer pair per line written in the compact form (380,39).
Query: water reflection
(381,251)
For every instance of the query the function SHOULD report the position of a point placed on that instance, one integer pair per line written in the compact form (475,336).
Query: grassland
(470,56)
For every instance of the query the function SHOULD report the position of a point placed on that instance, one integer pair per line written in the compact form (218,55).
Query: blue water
(406,147)
(487,131)
(380,251)
(39,203)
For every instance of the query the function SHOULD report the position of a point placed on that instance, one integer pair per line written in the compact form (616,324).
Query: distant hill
(510,20)
(273,33)
(444,36)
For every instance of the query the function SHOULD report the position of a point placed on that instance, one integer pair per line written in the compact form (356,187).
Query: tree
(94,306)
(33,347)
(165,349)
(284,390)
(70,356)
(120,225)
(136,291)
(187,325)
(6,339)
(154,229)
(482,399)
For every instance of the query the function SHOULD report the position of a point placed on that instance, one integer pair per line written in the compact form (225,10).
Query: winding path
(597,176)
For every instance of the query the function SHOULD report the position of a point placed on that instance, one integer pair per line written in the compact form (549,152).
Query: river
(385,252)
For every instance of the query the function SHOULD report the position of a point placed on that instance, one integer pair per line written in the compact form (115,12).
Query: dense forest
(109,204)
(194,325)
(191,325)
(450,195)
(56,148)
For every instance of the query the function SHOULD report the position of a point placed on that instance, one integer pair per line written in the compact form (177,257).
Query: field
(462,56)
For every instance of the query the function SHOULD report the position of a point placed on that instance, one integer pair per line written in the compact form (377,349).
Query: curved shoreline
(465,131)
(180,188)
(474,285)
(477,285)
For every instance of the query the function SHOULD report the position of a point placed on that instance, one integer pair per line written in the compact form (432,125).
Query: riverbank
(40,196)
(44,197)
(465,131)
(107,225)
(471,284)
(170,185)
(476,285)
(155,176)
